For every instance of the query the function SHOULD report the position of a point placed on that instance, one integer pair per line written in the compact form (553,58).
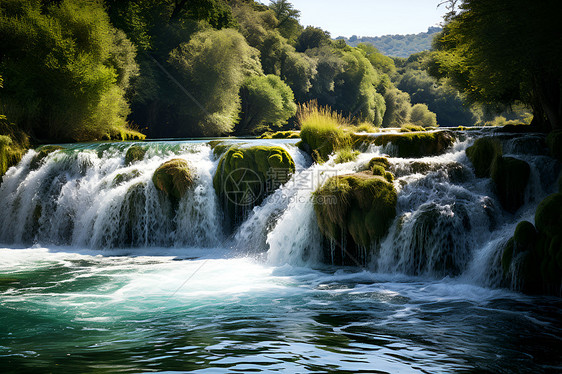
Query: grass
(323,131)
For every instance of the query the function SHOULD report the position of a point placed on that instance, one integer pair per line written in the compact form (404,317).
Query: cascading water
(263,294)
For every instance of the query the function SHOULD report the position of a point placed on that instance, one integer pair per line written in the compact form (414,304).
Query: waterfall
(448,222)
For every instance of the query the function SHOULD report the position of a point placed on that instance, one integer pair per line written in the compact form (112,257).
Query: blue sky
(369,17)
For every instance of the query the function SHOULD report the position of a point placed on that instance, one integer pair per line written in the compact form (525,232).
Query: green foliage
(246,176)
(322,131)
(266,101)
(420,115)
(442,99)
(398,108)
(379,61)
(510,176)
(398,45)
(48,91)
(482,153)
(360,207)
(134,153)
(500,60)
(312,37)
(214,64)
(287,16)
(174,178)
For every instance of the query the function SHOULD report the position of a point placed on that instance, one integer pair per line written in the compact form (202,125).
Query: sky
(369,17)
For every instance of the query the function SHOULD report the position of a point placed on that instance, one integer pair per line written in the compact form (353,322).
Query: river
(88,286)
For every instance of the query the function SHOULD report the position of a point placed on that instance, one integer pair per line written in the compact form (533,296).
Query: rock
(379,166)
(548,217)
(381,161)
(533,257)
(510,176)
(417,144)
(281,135)
(43,152)
(246,176)
(554,142)
(134,153)
(482,153)
(219,147)
(174,178)
(359,206)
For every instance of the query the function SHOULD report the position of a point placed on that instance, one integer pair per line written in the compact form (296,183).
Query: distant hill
(397,45)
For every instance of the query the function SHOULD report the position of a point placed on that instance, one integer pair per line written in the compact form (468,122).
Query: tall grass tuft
(322,130)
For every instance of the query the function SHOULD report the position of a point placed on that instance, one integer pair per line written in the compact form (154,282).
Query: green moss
(419,144)
(134,153)
(125,177)
(42,153)
(281,135)
(411,128)
(245,176)
(510,176)
(380,161)
(174,178)
(482,153)
(360,206)
(554,142)
(10,153)
(219,147)
(548,217)
(507,255)
(525,236)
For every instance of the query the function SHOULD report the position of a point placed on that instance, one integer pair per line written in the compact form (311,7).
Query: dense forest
(78,70)
(397,45)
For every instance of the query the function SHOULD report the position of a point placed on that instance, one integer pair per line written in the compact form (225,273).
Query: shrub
(322,130)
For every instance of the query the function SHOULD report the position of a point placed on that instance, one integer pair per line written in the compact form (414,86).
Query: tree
(288,18)
(312,37)
(502,52)
(213,66)
(420,115)
(398,108)
(66,69)
(266,101)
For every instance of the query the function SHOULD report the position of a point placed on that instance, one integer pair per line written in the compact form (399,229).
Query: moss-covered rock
(125,177)
(533,257)
(510,176)
(409,127)
(417,144)
(246,176)
(379,161)
(42,153)
(134,153)
(281,135)
(379,166)
(361,207)
(548,217)
(554,142)
(219,147)
(174,178)
(482,153)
